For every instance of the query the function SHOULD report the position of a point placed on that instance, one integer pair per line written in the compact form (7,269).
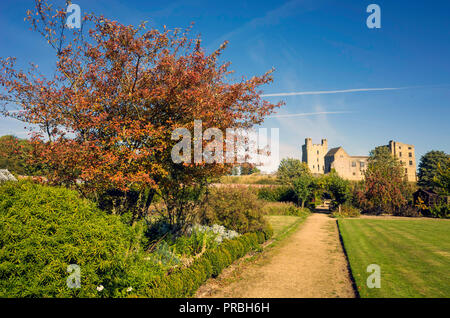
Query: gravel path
(311,263)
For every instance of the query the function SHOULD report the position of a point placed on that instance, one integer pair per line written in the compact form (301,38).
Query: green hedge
(44,229)
(277,194)
(185,281)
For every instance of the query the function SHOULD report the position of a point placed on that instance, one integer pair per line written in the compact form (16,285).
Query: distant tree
(290,169)
(385,188)
(17,154)
(338,188)
(429,166)
(442,178)
(248,168)
(303,188)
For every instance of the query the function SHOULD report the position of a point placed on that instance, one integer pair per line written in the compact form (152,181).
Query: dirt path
(310,263)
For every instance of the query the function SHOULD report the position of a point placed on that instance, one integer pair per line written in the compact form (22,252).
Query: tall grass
(284,208)
(250,179)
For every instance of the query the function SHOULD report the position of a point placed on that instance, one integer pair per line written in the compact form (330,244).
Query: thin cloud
(352,90)
(308,114)
(271,17)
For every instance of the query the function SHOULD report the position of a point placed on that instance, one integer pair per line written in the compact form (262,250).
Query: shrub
(44,229)
(217,232)
(277,194)
(235,209)
(185,281)
(347,210)
(441,210)
(284,208)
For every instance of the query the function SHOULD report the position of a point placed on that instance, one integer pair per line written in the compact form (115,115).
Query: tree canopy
(429,168)
(385,188)
(442,178)
(290,169)
(106,115)
(16,155)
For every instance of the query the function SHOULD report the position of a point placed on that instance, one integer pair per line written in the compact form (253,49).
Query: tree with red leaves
(385,189)
(106,116)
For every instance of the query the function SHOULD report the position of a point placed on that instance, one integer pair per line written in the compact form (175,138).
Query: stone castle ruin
(320,160)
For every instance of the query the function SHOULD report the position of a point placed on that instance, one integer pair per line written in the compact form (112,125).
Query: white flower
(100,288)
(129,289)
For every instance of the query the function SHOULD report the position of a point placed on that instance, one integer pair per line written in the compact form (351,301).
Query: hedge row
(184,282)
(277,194)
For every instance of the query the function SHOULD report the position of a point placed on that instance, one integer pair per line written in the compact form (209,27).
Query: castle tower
(314,155)
(407,156)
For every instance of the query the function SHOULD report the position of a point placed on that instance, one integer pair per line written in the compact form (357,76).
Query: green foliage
(440,210)
(284,208)
(277,194)
(182,201)
(248,169)
(236,209)
(16,155)
(347,210)
(44,229)
(442,179)
(303,187)
(429,168)
(338,188)
(254,178)
(290,169)
(131,205)
(385,189)
(184,281)
(194,243)
(407,210)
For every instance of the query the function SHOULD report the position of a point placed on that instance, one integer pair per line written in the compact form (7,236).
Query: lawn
(282,223)
(413,254)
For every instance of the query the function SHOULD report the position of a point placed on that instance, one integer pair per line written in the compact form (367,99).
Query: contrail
(352,90)
(308,114)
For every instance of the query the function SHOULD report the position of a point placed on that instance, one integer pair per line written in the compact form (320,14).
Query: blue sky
(315,46)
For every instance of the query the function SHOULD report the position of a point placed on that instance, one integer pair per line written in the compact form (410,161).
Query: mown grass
(413,254)
(281,223)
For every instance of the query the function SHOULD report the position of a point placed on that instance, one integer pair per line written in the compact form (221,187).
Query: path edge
(352,278)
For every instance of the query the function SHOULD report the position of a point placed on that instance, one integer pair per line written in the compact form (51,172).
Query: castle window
(400,154)
(353,163)
(409,148)
(354,173)
(410,163)
(406,170)
(317,151)
(313,166)
(361,164)
(410,154)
